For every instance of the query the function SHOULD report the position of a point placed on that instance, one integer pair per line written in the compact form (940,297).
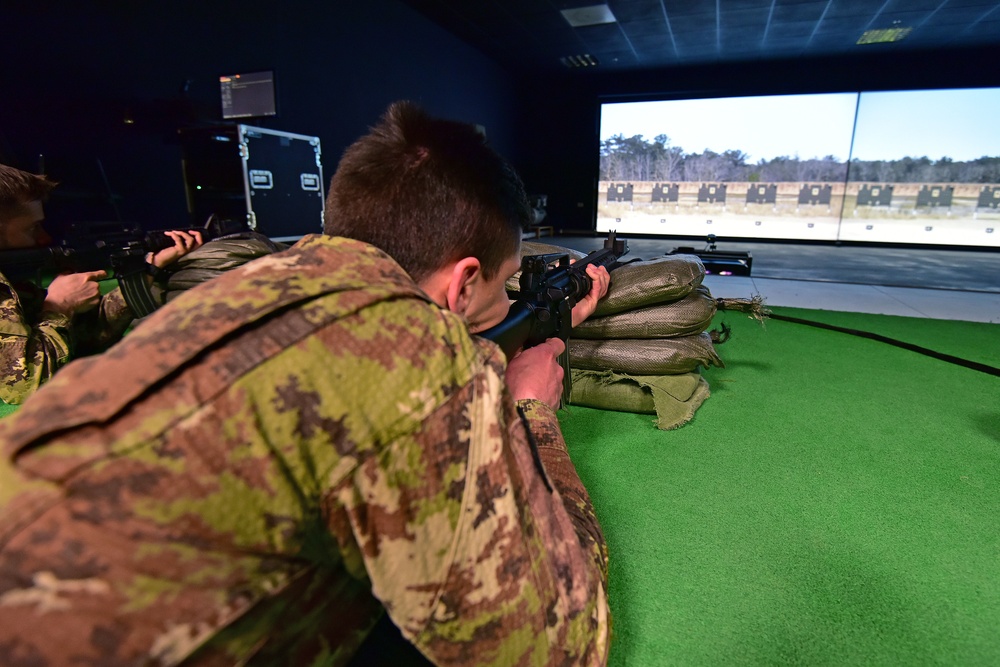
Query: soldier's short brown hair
(428,191)
(18,188)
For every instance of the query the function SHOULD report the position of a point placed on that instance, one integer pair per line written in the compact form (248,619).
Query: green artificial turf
(834,502)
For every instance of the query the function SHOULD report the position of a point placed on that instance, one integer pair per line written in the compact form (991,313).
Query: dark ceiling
(534,36)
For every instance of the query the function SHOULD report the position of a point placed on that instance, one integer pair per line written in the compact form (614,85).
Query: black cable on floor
(974,365)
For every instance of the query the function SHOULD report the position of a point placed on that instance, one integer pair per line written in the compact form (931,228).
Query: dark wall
(74,72)
(561,134)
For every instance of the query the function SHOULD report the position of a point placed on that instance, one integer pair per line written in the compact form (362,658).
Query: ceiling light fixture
(591,15)
(893,34)
(584,60)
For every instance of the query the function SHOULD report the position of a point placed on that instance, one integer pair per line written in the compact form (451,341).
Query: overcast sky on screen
(960,124)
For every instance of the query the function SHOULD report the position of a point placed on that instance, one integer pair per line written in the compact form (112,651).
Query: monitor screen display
(249,95)
(918,166)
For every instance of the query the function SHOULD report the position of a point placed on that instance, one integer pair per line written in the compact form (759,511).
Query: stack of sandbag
(642,349)
(215,258)
(209,261)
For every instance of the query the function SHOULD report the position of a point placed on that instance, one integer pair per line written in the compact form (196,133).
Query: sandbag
(642,356)
(651,281)
(673,398)
(686,316)
(216,257)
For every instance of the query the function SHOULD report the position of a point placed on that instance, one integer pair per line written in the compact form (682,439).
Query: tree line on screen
(637,159)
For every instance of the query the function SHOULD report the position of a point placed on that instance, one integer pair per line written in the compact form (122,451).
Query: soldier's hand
(184,242)
(73,293)
(586,306)
(536,373)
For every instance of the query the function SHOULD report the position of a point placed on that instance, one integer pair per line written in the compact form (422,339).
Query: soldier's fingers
(181,239)
(599,273)
(556,346)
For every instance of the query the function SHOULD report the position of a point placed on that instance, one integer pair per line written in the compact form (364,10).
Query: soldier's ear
(466,277)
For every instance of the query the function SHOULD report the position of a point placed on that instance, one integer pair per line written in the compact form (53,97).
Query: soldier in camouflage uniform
(42,329)
(279,455)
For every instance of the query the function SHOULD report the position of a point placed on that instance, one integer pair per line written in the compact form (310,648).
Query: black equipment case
(273,180)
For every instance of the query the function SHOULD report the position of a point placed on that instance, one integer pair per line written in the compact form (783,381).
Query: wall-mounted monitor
(913,167)
(249,95)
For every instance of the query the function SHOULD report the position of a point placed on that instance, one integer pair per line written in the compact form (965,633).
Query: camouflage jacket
(34,343)
(274,457)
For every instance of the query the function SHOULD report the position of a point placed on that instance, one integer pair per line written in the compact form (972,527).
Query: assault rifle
(121,247)
(543,306)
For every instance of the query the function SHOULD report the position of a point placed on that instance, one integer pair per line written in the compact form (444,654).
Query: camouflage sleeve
(543,425)
(30,353)
(97,330)
(470,549)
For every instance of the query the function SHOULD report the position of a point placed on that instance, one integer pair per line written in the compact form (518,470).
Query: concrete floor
(932,283)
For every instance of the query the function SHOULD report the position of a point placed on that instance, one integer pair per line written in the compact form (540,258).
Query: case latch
(261,179)
(309,182)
